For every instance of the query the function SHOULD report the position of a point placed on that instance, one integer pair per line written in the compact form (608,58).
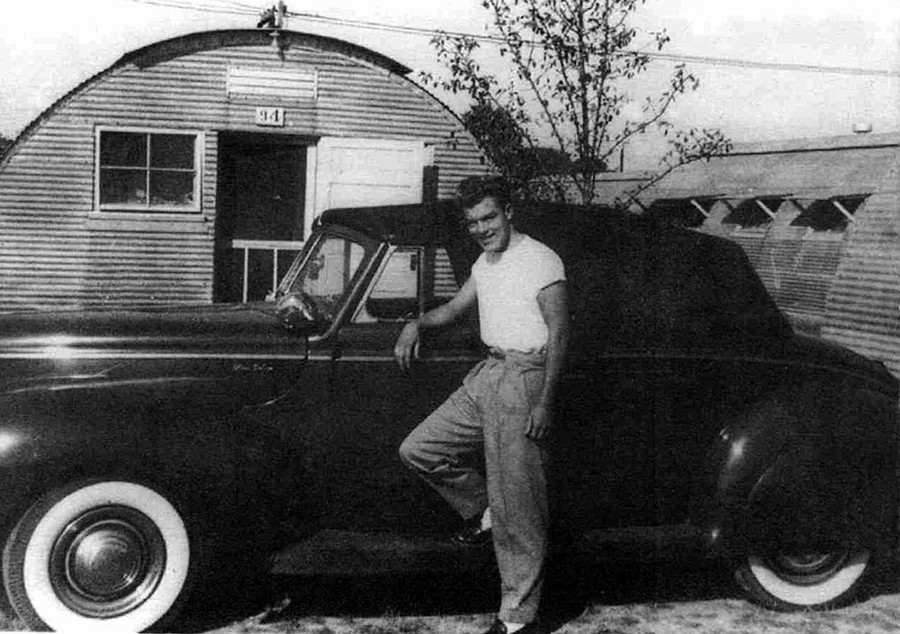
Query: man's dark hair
(474,189)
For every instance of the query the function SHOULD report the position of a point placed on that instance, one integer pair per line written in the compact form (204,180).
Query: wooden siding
(57,250)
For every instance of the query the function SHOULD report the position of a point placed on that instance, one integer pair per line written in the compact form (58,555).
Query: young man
(505,403)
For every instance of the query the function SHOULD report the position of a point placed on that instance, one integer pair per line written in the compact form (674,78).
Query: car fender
(797,468)
(189,434)
(744,449)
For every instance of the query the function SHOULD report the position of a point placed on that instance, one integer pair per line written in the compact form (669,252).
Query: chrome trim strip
(106,354)
(392,359)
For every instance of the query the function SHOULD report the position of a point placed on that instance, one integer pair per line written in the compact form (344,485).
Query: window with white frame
(147,171)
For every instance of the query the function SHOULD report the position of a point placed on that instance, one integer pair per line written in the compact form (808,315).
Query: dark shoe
(499,627)
(472,534)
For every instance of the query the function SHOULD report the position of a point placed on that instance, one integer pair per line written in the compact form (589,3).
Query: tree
(4,144)
(571,65)
(505,144)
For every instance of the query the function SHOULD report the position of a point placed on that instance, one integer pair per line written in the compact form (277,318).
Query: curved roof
(172,48)
(209,40)
(802,168)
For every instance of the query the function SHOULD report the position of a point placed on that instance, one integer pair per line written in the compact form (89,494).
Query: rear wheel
(98,556)
(804,580)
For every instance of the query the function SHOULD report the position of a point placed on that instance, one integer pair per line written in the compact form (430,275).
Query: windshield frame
(373,250)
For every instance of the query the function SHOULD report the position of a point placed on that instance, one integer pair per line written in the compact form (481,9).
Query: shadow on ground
(571,587)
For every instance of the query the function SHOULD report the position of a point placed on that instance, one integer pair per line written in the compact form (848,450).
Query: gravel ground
(880,615)
(673,598)
(667,599)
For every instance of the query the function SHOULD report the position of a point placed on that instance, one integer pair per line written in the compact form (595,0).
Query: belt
(531,355)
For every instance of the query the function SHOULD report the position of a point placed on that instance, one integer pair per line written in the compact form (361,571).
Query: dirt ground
(876,616)
(667,598)
(663,599)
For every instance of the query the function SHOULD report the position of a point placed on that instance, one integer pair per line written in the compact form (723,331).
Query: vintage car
(137,446)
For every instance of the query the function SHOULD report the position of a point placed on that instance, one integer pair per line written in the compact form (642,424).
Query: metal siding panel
(444,279)
(862,311)
(47,184)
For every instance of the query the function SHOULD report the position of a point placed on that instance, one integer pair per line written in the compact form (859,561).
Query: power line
(239,8)
(697,59)
(175,4)
(809,68)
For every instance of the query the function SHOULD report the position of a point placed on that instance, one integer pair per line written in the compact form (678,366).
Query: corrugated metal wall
(797,265)
(838,280)
(862,311)
(56,249)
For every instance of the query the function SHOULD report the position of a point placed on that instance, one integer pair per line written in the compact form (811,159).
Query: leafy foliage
(507,147)
(570,65)
(5,143)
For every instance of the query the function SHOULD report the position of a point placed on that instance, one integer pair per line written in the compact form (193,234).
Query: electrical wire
(232,7)
(174,4)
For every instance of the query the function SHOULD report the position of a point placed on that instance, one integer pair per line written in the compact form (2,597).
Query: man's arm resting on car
(443,315)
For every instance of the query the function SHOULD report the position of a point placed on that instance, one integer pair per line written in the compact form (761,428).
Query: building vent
(753,212)
(834,214)
(279,83)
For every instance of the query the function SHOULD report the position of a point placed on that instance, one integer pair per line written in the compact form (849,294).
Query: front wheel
(809,580)
(98,556)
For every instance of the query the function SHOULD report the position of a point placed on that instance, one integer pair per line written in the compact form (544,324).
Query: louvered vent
(280,83)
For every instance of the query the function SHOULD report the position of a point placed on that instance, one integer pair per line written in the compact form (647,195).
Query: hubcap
(808,568)
(107,561)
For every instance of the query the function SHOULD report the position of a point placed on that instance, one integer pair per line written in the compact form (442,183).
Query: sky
(786,91)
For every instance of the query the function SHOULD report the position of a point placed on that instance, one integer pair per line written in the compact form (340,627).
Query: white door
(367,172)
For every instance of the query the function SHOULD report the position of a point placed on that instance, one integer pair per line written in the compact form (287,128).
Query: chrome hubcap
(107,561)
(808,568)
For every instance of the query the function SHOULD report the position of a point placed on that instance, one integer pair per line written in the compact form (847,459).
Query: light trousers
(489,413)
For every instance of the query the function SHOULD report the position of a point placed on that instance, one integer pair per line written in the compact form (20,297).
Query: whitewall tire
(98,556)
(787,581)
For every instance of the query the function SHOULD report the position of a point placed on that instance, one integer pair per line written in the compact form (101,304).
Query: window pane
(126,149)
(171,189)
(172,150)
(119,186)
(396,293)
(328,273)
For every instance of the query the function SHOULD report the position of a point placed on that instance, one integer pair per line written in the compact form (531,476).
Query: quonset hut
(191,170)
(819,218)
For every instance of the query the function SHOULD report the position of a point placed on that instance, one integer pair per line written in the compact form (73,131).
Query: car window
(396,291)
(328,273)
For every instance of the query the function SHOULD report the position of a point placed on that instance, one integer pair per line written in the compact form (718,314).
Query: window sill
(181,222)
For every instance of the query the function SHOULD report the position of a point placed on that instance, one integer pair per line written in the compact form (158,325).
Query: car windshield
(328,272)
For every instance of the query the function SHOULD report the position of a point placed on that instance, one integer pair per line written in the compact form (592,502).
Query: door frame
(220,243)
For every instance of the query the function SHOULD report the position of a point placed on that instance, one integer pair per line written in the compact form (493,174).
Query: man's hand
(538,427)
(407,345)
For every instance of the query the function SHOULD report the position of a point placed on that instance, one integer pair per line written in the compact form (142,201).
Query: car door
(374,404)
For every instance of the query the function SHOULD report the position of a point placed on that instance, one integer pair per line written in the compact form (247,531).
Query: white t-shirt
(507,291)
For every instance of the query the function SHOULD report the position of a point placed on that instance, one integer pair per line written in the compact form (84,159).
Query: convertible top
(415,224)
(633,279)
(637,281)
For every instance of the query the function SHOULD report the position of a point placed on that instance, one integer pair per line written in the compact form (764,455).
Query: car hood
(220,329)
